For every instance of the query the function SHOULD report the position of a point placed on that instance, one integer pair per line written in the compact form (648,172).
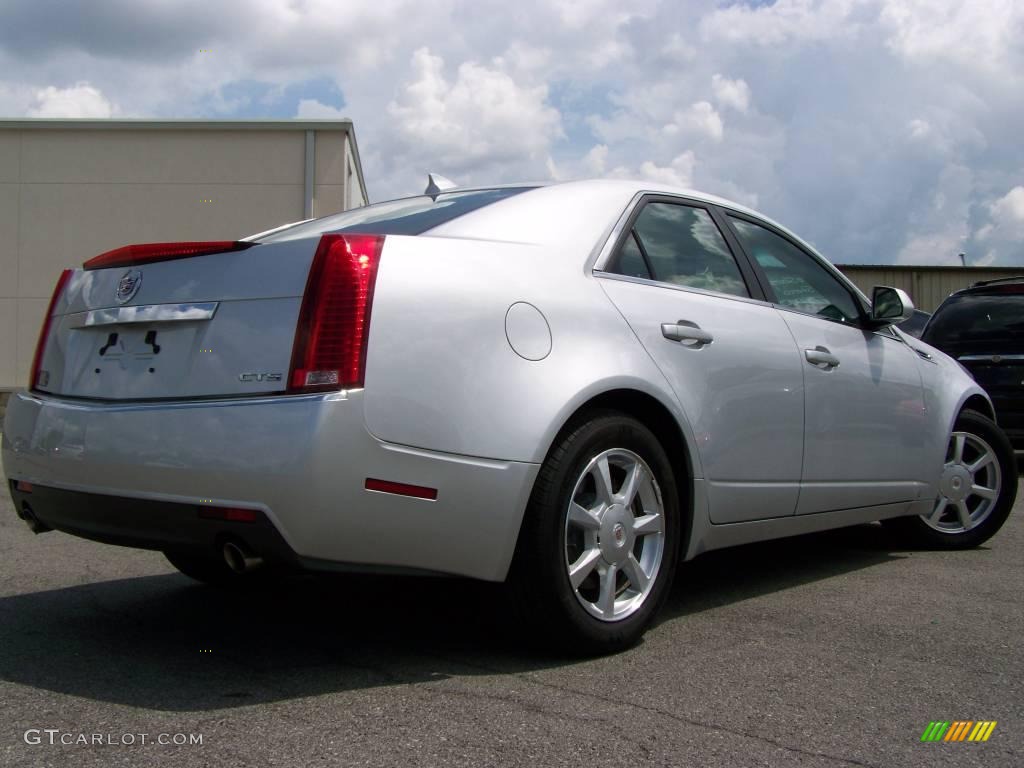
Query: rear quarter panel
(441,373)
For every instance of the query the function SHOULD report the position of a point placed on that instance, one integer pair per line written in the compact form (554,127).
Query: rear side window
(630,261)
(682,245)
(977,317)
(408,216)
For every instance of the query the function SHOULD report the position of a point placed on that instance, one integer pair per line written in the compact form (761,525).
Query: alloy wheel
(969,487)
(614,534)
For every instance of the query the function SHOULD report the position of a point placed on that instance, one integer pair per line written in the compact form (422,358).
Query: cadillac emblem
(128,286)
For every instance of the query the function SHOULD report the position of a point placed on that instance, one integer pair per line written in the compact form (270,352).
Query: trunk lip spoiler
(149,313)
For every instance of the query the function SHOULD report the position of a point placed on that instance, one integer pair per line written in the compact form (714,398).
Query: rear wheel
(600,539)
(977,488)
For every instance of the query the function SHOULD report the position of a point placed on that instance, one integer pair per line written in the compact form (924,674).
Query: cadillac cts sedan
(570,388)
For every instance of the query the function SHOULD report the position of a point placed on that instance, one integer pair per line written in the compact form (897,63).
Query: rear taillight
(334,322)
(147,253)
(39,378)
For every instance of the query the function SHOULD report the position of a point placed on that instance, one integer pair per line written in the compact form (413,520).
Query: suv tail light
(147,253)
(36,374)
(334,322)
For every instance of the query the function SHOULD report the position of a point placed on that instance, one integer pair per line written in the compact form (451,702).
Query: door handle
(686,333)
(820,357)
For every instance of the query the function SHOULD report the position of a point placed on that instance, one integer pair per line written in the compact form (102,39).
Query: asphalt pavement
(824,650)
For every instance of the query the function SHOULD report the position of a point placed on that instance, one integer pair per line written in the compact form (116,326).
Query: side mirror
(890,306)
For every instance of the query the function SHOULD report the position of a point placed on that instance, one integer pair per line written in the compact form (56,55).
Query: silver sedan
(570,388)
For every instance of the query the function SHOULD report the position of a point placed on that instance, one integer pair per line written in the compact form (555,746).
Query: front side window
(682,245)
(798,280)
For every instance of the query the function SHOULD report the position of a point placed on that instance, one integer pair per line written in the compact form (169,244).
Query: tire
(210,570)
(574,524)
(962,519)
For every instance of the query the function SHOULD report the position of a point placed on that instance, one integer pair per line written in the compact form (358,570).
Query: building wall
(927,286)
(69,191)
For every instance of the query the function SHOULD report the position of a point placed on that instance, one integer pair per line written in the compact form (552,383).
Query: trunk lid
(215,325)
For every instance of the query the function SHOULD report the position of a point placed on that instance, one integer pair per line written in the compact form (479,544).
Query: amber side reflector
(401,489)
(22,486)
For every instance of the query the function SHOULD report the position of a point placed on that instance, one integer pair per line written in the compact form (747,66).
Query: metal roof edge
(359,161)
(47,123)
(933,267)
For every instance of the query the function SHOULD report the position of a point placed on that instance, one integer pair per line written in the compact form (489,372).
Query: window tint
(630,261)
(683,246)
(915,324)
(799,281)
(409,216)
(977,317)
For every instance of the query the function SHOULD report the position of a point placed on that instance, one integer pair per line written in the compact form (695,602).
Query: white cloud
(973,34)
(701,119)
(734,94)
(1009,209)
(596,160)
(484,116)
(919,129)
(81,100)
(577,14)
(784,22)
(311,109)
(677,50)
(678,173)
(881,129)
(1005,219)
(521,57)
(939,248)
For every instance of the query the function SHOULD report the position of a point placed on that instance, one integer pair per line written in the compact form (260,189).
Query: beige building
(927,286)
(71,189)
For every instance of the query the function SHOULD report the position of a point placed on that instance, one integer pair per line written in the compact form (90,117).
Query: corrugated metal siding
(927,286)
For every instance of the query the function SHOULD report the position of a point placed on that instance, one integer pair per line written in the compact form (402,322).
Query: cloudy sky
(881,130)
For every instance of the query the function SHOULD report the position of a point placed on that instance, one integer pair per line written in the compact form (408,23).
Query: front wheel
(600,539)
(977,489)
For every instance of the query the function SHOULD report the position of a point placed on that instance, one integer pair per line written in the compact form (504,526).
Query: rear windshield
(977,317)
(408,216)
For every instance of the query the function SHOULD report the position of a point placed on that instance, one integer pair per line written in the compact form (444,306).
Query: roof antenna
(436,184)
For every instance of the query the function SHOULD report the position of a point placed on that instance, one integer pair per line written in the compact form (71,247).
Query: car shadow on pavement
(165,643)
(739,573)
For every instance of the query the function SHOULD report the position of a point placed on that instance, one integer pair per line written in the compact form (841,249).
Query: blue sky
(881,130)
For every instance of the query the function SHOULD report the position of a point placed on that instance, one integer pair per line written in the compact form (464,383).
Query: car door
(864,403)
(727,354)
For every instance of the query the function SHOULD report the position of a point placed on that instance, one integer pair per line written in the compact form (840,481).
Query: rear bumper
(147,524)
(302,462)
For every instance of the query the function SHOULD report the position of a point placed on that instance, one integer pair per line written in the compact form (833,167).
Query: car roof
(981,286)
(633,187)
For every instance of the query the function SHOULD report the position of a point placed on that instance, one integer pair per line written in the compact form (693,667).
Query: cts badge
(260,377)
(128,285)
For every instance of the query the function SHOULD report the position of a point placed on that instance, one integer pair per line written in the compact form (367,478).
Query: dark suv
(983,328)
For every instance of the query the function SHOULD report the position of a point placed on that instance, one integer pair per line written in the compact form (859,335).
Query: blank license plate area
(137,360)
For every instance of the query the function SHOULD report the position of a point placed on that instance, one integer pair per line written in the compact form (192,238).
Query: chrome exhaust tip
(240,559)
(34,523)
